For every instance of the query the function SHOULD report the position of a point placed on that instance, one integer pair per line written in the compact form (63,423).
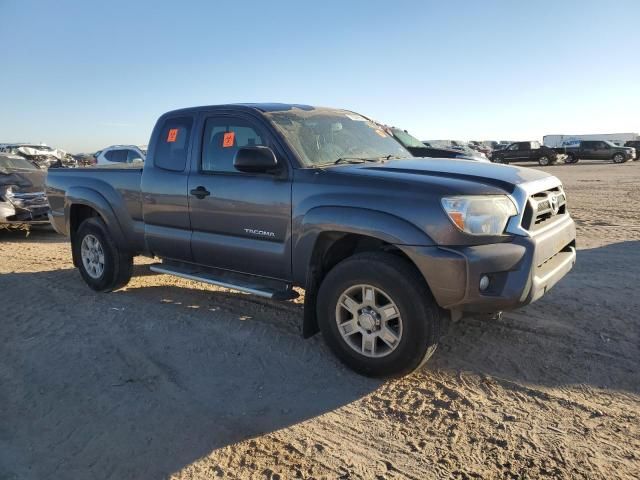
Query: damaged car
(41,155)
(23,201)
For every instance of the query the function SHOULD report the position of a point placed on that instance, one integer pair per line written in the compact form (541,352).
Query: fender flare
(94,199)
(348,220)
(356,220)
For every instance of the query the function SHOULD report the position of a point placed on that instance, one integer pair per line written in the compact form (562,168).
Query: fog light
(484,283)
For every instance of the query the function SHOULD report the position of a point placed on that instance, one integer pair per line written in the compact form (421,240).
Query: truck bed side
(112,193)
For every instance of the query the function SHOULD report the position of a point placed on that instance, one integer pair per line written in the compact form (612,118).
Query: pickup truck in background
(262,198)
(597,150)
(526,152)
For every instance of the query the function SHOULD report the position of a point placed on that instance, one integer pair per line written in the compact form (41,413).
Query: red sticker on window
(172,136)
(229,139)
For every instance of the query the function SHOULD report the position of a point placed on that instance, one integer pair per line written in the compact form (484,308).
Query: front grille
(544,208)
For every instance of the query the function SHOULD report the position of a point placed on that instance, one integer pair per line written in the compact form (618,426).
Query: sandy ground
(170,378)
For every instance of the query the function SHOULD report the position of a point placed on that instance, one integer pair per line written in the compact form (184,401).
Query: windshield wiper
(354,160)
(340,160)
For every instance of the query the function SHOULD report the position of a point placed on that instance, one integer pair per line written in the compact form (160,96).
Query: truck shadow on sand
(144,381)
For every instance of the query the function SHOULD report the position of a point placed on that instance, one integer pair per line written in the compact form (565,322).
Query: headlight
(480,215)
(8,194)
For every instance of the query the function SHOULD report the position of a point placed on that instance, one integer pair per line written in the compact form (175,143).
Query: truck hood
(504,177)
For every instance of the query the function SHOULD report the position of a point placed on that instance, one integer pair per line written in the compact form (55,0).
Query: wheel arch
(82,203)
(332,234)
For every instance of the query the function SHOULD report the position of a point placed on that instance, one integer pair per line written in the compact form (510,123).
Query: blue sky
(81,75)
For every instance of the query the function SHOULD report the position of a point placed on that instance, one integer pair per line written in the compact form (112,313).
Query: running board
(259,286)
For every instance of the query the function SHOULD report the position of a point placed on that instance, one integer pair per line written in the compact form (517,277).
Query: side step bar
(261,287)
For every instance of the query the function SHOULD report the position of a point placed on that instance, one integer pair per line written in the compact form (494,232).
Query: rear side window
(173,144)
(119,156)
(222,139)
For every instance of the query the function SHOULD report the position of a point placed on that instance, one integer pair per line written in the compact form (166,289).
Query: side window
(133,156)
(513,147)
(588,145)
(173,144)
(116,156)
(222,139)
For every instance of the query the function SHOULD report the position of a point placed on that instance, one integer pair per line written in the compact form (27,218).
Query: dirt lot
(170,378)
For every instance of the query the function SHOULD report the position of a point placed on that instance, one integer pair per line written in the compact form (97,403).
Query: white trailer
(555,141)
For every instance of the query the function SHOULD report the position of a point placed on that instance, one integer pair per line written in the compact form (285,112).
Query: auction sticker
(172,136)
(228,139)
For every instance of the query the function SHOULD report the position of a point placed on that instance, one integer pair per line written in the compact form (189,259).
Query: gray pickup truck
(262,198)
(597,150)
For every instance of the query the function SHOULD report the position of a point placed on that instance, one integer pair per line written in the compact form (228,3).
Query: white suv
(119,154)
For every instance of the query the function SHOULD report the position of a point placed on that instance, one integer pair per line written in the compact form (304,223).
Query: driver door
(240,221)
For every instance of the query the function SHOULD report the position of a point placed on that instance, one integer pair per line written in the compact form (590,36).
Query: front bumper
(15,215)
(519,272)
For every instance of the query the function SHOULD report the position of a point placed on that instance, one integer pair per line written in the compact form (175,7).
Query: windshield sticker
(355,118)
(172,136)
(380,132)
(228,140)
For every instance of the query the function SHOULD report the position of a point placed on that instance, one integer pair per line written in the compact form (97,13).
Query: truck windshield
(322,136)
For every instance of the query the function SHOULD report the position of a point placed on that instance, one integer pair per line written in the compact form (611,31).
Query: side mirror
(255,160)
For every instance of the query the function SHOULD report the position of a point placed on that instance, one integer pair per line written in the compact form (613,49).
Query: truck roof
(261,107)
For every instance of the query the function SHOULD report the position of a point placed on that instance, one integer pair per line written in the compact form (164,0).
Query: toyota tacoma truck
(263,198)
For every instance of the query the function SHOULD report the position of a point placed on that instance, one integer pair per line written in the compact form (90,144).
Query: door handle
(200,192)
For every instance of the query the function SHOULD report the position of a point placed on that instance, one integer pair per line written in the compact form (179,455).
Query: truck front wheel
(619,158)
(571,159)
(377,314)
(102,265)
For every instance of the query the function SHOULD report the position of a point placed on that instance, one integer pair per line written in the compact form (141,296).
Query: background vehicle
(525,152)
(458,146)
(119,154)
(634,144)
(556,141)
(41,155)
(597,150)
(480,147)
(22,193)
(420,149)
(264,197)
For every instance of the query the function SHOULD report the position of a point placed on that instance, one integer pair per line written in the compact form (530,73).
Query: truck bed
(118,187)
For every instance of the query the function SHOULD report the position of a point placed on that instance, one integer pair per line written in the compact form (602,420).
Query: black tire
(571,159)
(421,317)
(619,158)
(500,160)
(118,266)
(545,161)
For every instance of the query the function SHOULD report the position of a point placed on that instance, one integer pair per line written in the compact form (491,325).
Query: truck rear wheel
(102,265)
(377,314)
(544,160)
(571,159)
